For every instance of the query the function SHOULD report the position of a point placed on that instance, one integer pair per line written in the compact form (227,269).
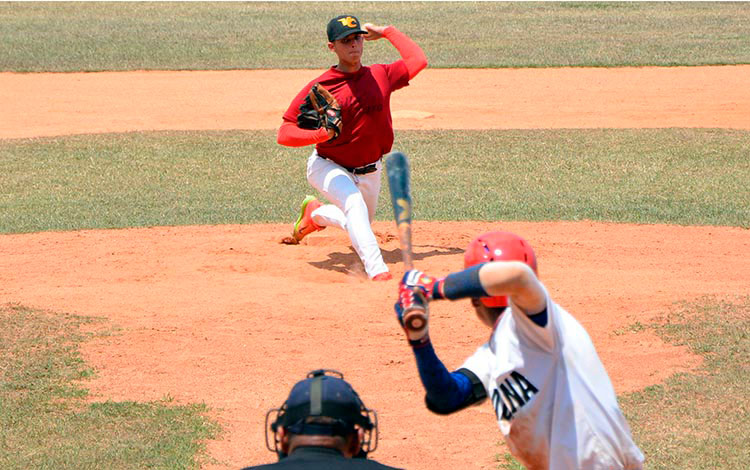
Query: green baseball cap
(342,26)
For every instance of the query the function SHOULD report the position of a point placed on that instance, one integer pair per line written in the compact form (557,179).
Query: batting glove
(431,288)
(412,302)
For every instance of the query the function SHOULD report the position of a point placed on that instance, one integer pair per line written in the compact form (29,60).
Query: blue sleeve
(446,392)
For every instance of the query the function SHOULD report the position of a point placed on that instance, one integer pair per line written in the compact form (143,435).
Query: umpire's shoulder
(373,464)
(267,466)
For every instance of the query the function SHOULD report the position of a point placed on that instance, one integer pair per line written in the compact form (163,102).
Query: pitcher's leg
(362,237)
(319,173)
(338,186)
(369,186)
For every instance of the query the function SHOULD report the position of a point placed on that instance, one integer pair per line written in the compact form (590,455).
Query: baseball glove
(309,117)
(327,107)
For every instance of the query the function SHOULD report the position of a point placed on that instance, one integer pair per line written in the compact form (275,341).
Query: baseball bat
(397,169)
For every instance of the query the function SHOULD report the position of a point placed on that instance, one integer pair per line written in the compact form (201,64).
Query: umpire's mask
(326,395)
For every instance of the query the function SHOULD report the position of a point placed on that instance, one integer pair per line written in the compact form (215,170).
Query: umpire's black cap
(342,26)
(323,394)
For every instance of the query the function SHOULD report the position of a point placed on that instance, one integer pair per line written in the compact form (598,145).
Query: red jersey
(365,99)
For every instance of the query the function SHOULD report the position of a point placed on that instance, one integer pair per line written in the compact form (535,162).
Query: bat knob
(415,321)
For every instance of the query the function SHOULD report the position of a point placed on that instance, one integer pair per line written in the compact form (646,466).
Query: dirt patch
(228,316)
(80,103)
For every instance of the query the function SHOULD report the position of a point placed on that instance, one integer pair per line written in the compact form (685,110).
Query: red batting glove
(432,288)
(410,300)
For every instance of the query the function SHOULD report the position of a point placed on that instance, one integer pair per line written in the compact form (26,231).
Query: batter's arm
(446,392)
(516,280)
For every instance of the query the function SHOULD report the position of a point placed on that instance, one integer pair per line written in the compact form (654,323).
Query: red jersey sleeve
(292,136)
(398,74)
(289,134)
(413,56)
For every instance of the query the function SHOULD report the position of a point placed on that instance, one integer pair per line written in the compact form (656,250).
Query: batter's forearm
(446,392)
(411,53)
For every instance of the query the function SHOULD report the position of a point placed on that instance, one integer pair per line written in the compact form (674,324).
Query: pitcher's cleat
(304,225)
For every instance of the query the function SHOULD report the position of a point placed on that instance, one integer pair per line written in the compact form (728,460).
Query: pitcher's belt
(360,170)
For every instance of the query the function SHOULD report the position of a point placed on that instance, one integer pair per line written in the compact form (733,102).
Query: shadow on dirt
(347,263)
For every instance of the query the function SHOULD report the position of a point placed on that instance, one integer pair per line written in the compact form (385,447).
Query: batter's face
(348,49)
(488,316)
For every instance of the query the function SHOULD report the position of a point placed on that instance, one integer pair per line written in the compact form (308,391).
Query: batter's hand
(430,287)
(373,32)
(410,300)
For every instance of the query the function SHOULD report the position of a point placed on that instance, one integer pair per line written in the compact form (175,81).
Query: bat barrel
(397,170)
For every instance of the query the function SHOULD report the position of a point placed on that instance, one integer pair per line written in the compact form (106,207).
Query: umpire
(322,425)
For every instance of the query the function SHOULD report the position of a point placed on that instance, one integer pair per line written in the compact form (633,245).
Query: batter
(554,402)
(346,168)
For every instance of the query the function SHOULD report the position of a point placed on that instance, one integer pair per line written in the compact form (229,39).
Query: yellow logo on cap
(349,22)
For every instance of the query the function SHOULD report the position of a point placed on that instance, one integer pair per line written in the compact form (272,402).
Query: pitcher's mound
(411,114)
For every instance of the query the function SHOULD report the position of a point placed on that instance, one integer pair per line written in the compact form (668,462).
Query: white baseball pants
(354,199)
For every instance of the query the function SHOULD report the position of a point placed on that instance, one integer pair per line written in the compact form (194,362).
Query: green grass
(696,420)
(682,176)
(507,462)
(45,421)
(71,36)
(692,177)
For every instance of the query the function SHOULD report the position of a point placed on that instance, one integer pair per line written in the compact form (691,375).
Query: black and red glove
(320,109)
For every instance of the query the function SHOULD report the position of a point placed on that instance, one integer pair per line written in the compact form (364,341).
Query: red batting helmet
(499,246)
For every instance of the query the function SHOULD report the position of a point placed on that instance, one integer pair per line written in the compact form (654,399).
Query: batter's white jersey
(554,401)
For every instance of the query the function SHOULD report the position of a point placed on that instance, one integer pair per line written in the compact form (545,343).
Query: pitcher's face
(349,49)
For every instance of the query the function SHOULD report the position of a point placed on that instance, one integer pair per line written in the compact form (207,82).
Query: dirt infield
(80,103)
(228,316)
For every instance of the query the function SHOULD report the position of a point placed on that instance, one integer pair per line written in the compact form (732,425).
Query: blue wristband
(464,284)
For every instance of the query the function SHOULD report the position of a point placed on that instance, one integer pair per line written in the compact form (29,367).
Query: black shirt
(321,458)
